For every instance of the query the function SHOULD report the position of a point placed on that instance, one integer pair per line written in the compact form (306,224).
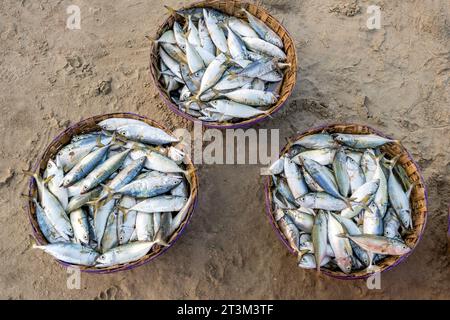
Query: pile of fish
(340,203)
(108,197)
(219,68)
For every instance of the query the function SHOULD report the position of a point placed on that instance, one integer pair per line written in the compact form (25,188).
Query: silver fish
(380,245)
(263,31)
(85,166)
(80,225)
(54,185)
(360,198)
(53,209)
(45,225)
(341,246)
(213,73)
(73,253)
(308,261)
(150,186)
(195,61)
(235,109)
(146,134)
(110,237)
(320,237)
(355,174)
(340,171)
(303,221)
(179,36)
(294,179)
(123,254)
(321,200)
(241,27)
(103,171)
(324,157)
(205,38)
(216,33)
(160,204)
(391,224)
(251,97)
(361,141)
(144,226)
(399,200)
(126,221)
(264,47)
(290,231)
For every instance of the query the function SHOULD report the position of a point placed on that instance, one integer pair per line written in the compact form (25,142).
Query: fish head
(405,217)
(307,261)
(104,259)
(345,264)
(389,232)
(402,248)
(339,138)
(305,201)
(84,188)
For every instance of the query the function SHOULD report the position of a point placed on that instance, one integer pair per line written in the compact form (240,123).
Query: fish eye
(102,257)
(85,237)
(121,238)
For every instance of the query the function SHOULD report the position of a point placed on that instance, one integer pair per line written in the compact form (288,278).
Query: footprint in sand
(108,294)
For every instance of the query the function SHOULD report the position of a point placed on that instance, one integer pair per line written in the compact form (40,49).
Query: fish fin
(411,187)
(150,39)
(123,209)
(171,10)
(99,142)
(232,75)
(159,238)
(342,235)
(48,179)
(390,164)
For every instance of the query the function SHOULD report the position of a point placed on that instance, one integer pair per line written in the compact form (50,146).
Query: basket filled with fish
(346,200)
(111,193)
(228,64)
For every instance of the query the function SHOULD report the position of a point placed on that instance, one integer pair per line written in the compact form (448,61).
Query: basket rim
(330,273)
(121,267)
(245,123)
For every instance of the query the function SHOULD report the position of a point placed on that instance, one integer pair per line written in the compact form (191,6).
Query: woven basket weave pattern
(63,139)
(233,8)
(418,196)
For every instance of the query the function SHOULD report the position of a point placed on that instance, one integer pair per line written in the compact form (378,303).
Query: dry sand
(395,79)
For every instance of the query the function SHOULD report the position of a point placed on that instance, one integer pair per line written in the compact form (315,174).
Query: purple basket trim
(36,233)
(328,272)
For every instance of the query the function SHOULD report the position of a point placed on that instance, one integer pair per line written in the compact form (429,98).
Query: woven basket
(232,8)
(89,125)
(419,198)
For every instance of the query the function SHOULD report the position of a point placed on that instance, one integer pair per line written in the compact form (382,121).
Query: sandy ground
(396,79)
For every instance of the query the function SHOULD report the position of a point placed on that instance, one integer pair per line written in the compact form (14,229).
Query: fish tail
(123,209)
(29,173)
(411,187)
(390,164)
(99,142)
(151,39)
(159,238)
(48,179)
(171,10)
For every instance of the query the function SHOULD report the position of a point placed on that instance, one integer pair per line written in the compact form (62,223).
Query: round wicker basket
(419,198)
(89,125)
(232,7)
